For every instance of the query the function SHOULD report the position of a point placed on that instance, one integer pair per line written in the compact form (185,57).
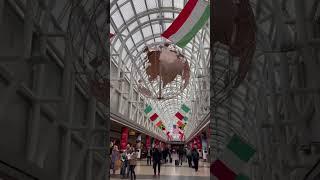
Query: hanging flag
(154,117)
(185,108)
(181,135)
(148,109)
(182,126)
(148,141)
(179,116)
(189,21)
(161,126)
(111,35)
(124,138)
(231,163)
(158,123)
(185,118)
(180,123)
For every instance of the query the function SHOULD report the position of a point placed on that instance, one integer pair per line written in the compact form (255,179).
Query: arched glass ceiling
(138,23)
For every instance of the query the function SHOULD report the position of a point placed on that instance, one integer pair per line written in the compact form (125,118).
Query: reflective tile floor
(170,172)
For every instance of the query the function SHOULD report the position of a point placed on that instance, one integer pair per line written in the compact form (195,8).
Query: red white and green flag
(149,112)
(161,126)
(189,21)
(230,165)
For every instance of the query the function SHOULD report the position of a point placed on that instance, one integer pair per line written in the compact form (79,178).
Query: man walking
(195,158)
(156,156)
(189,156)
(180,153)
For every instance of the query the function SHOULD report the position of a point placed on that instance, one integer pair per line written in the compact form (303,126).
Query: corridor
(169,171)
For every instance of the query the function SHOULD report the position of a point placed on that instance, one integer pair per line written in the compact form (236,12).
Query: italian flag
(190,20)
(153,116)
(161,125)
(185,112)
(234,158)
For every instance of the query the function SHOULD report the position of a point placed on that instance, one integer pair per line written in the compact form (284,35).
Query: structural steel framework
(276,108)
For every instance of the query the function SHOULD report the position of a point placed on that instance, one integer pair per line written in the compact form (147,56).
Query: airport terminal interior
(160,89)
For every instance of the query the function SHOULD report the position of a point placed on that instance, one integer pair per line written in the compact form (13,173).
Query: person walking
(115,156)
(132,163)
(195,158)
(164,155)
(149,153)
(128,151)
(189,156)
(124,164)
(156,156)
(169,153)
(180,153)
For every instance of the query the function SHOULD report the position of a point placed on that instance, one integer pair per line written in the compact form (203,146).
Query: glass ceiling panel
(116,17)
(152,4)
(140,6)
(121,1)
(147,31)
(132,26)
(167,3)
(128,11)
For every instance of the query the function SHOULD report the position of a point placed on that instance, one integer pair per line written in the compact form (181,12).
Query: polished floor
(170,172)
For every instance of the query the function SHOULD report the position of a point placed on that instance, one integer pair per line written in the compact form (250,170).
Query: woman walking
(115,157)
(132,163)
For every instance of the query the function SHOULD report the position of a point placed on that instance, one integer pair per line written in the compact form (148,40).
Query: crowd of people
(126,160)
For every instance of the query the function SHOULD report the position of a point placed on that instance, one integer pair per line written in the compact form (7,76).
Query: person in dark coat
(180,153)
(156,156)
(189,156)
(195,158)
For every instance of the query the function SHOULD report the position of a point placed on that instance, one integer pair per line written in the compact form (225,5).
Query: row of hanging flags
(232,163)
(154,117)
(182,120)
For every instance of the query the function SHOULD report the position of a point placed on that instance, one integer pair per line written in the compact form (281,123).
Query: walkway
(170,172)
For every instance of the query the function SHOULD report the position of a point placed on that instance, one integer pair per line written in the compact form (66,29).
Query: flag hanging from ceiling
(185,108)
(161,125)
(179,116)
(232,161)
(111,35)
(190,20)
(180,123)
(148,109)
(154,117)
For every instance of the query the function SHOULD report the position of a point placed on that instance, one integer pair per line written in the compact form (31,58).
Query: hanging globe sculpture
(167,69)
